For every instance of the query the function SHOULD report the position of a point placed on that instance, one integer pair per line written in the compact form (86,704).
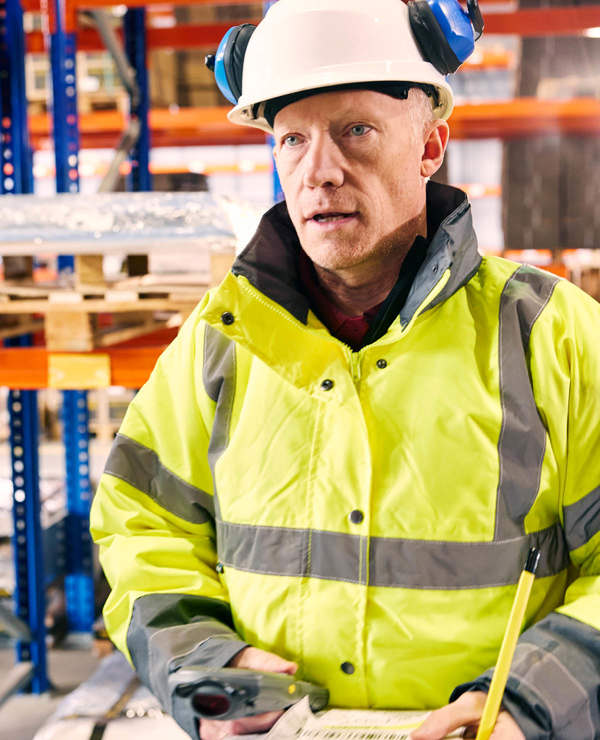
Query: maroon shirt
(349,329)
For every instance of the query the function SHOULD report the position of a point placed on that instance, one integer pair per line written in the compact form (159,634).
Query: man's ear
(435,146)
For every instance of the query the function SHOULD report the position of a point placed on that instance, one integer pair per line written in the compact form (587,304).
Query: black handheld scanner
(229,693)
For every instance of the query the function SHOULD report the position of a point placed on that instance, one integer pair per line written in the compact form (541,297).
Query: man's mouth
(322,218)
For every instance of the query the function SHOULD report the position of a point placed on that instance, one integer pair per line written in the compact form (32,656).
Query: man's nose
(323,165)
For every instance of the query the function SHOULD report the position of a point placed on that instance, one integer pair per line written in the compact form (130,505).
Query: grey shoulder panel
(522,442)
(141,467)
(219,377)
(218,361)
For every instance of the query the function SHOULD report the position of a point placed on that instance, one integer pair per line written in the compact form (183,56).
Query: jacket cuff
(554,683)
(524,706)
(216,652)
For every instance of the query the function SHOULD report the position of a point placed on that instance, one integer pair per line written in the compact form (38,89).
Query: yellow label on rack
(78,371)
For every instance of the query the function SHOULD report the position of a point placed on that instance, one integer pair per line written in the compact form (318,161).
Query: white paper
(299,723)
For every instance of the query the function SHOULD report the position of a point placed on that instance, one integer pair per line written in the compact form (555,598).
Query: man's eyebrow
(340,118)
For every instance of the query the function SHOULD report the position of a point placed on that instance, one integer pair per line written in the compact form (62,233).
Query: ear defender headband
(444,32)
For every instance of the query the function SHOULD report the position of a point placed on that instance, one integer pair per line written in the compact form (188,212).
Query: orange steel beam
(178,37)
(525,117)
(187,126)
(87,4)
(27,368)
(72,6)
(522,117)
(544,21)
(488,59)
(33,6)
(165,169)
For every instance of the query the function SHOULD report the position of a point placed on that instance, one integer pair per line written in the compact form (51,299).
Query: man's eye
(359,130)
(291,140)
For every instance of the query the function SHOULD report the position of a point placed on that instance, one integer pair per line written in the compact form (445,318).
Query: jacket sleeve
(554,687)
(153,519)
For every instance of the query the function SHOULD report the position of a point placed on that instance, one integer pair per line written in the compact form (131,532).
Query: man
(339,465)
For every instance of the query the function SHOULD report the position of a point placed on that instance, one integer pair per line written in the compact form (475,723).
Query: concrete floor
(22,715)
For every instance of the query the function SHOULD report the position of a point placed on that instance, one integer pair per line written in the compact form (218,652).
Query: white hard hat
(312,44)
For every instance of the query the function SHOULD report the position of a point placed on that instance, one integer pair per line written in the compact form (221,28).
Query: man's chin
(333,262)
(333,252)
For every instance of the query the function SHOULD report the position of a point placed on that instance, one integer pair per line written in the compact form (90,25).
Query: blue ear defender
(228,61)
(444,32)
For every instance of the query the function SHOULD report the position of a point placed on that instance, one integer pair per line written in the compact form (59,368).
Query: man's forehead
(334,105)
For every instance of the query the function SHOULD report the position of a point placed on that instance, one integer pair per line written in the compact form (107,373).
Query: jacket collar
(270,261)
(453,247)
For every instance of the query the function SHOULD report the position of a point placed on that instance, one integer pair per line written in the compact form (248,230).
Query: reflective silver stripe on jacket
(522,441)
(395,562)
(582,519)
(218,375)
(140,467)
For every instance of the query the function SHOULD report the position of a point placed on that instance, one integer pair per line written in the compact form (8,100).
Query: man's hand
(255,660)
(466,712)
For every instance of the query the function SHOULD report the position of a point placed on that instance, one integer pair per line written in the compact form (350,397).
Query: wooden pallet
(96,315)
(17,325)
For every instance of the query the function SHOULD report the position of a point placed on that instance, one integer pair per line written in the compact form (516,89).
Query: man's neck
(352,295)
(358,288)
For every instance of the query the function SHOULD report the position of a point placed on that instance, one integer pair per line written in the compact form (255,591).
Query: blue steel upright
(16,177)
(15,152)
(134,28)
(64,109)
(30,593)
(79,585)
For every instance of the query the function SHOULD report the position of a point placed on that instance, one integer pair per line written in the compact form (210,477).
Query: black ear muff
(233,57)
(444,32)
(430,38)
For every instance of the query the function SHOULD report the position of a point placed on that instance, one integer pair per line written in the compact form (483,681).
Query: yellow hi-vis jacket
(367,514)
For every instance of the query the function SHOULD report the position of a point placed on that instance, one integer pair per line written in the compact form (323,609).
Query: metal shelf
(16,178)
(207,126)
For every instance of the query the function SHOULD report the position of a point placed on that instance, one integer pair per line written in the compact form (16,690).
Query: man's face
(350,165)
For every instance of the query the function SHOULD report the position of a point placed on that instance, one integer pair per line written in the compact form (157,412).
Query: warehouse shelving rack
(16,177)
(24,369)
(15,160)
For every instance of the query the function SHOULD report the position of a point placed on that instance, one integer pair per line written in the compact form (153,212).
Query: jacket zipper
(355,366)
